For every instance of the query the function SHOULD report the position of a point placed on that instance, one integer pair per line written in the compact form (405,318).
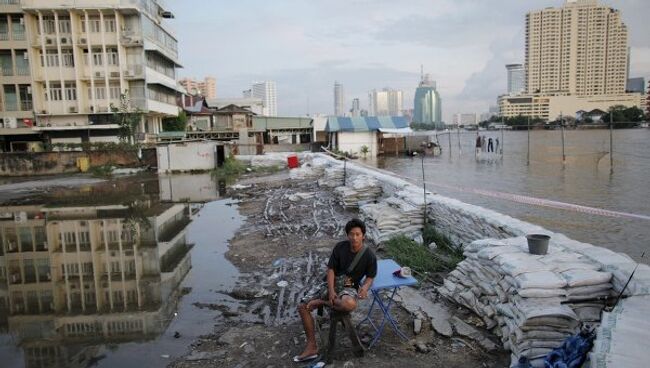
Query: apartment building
(79,58)
(387,102)
(206,88)
(578,51)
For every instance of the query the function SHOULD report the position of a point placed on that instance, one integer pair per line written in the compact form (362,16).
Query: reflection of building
(427,107)
(85,273)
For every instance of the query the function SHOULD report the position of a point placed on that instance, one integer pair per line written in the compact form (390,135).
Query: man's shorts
(320,292)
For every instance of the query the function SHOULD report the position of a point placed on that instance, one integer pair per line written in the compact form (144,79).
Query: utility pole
(611,142)
(528,153)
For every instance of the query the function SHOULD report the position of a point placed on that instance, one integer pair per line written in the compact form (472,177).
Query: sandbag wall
(532,302)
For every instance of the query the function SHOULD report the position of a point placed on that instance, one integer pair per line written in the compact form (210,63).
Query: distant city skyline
(305,57)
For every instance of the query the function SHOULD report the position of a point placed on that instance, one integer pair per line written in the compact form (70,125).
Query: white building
(465,119)
(516,78)
(267,93)
(255,105)
(387,102)
(339,99)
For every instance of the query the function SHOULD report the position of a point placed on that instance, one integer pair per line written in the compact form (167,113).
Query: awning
(406,130)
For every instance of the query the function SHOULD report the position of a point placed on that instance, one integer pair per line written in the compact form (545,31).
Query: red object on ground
(292,161)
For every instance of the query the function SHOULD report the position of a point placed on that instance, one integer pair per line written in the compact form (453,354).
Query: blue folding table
(386,280)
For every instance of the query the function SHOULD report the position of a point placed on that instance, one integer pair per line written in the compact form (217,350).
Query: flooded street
(94,274)
(583,180)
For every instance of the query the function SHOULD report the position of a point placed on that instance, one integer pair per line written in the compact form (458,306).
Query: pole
(460,150)
(449,142)
(502,143)
(345,169)
(424,191)
(611,142)
(528,153)
(563,153)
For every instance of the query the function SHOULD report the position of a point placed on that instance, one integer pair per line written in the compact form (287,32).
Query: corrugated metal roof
(365,124)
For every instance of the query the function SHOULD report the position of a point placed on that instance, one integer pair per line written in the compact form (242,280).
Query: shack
(352,134)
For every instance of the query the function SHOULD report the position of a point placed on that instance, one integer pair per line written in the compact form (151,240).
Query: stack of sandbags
(533,302)
(360,190)
(333,177)
(400,214)
(622,337)
(310,170)
(270,160)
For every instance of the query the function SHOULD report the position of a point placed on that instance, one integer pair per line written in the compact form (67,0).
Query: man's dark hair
(355,223)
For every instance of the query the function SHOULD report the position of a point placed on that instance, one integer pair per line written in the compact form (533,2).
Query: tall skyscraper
(339,99)
(206,88)
(356,108)
(516,78)
(387,102)
(266,91)
(578,49)
(576,59)
(427,105)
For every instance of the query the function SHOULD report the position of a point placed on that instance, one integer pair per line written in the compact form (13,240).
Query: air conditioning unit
(49,41)
(25,56)
(72,109)
(22,21)
(12,246)
(115,74)
(29,90)
(65,40)
(128,73)
(99,75)
(83,40)
(20,217)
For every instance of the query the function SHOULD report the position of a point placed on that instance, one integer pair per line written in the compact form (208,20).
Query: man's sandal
(307,358)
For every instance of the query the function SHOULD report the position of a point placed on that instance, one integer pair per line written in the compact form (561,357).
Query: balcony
(4,36)
(7,71)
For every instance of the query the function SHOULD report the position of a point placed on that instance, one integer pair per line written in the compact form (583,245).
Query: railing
(11,106)
(19,36)
(9,2)
(4,36)
(22,71)
(7,71)
(26,105)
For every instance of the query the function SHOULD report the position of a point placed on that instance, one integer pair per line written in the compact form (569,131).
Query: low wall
(464,223)
(52,163)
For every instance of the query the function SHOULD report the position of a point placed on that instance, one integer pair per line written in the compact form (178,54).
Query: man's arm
(331,292)
(363,291)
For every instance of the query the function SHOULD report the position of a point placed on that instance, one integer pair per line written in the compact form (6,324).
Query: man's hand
(331,295)
(363,292)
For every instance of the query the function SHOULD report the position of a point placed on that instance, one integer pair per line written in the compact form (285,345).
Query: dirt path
(282,249)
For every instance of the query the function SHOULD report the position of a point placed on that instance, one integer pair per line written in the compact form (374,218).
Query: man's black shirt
(342,257)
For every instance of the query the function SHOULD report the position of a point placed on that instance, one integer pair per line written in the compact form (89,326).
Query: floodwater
(583,179)
(107,275)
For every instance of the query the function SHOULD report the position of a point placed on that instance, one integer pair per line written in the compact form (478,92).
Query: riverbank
(280,240)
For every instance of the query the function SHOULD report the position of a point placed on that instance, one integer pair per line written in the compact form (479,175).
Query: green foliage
(622,114)
(231,167)
(365,150)
(430,234)
(127,118)
(177,124)
(422,126)
(418,257)
(104,171)
(519,121)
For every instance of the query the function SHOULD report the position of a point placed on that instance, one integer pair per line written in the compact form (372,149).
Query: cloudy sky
(306,45)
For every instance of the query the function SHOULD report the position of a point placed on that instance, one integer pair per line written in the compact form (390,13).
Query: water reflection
(90,267)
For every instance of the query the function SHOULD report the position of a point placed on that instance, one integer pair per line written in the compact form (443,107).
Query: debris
(282,284)
(177,335)
(165,356)
(421,347)
(417,326)
(205,355)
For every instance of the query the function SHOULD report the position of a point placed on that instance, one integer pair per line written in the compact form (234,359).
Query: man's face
(355,236)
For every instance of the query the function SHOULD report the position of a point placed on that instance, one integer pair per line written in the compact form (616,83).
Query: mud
(282,249)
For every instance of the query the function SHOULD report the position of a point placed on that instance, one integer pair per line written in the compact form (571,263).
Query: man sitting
(339,271)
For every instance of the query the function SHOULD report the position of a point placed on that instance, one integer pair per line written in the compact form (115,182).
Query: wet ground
(256,248)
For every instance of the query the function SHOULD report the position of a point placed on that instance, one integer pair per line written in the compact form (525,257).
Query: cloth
(342,257)
(573,351)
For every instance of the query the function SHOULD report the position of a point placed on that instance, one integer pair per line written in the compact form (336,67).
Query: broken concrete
(439,315)
(466,330)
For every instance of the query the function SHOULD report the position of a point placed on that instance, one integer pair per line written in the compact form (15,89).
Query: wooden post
(424,191)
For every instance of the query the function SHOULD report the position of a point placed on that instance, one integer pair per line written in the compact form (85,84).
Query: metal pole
(345,169)
(502,143)
(528,153)
(611,142)
(563,154)
(424,191)
(460,150)
(449,143)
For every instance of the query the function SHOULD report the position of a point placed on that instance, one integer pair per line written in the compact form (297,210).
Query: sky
(307,45)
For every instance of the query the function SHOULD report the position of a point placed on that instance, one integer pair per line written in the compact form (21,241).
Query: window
(55,94)
(49,26)
(100,94)
(67,58)
(71,95)
(51,58)
(111,56)
(109,25)
(95,25)
(114,92)
(97,57)
(64,25)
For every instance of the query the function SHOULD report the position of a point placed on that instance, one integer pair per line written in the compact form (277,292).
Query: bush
(231,167)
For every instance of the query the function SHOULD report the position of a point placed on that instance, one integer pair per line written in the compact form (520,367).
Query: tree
(623,117)
(177,124)
(364,150)
(127,118)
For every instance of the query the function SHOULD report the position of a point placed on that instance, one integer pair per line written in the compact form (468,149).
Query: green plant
(431,235)
(409,253)
(176,124)
(127,118)
(104,171)
(231,167)
(365,150)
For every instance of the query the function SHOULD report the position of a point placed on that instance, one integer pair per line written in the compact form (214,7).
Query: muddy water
(110,274)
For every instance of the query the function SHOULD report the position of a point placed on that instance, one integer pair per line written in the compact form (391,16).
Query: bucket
(292,161)
(538,243)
